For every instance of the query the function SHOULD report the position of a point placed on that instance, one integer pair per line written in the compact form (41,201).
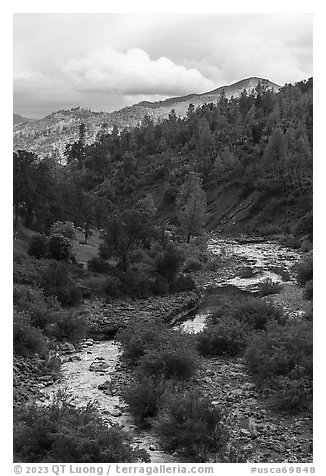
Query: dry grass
(84,252)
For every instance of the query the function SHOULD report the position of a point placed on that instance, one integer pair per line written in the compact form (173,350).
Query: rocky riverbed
(93,372)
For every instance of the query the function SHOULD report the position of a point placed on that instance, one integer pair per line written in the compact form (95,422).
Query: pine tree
(191,204)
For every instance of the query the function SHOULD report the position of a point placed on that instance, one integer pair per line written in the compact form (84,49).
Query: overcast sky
(108,61)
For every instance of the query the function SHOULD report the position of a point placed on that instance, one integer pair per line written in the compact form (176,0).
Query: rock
(88,342)
(99,366)
(245,432)
(152,447)
(67,347)
(105,385)
(115,412)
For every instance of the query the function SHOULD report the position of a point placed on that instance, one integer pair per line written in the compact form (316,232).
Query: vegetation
(280,360)
(227,337)
(63,433)
(190,424)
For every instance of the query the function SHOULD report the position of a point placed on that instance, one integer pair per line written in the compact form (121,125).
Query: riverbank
(256,433)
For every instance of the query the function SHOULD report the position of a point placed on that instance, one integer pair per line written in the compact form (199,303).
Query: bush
(246,272)
(137,337)
(308,290)
(281,271)
(66,228)
(183,283)
(47,314)
(304,271)
(135,282)
(174,357)
(144,396)
(305,226)
(269,287)
(283,351)
(98,265)
(63,433)
(192,265)
(38,247)
(291,394)
(168,264)
(28,339)
(256,313)
(189,423)
(56,282)
(28,271)
(59,247)
(292,242)
(160,285)
(64,325)
(228,337)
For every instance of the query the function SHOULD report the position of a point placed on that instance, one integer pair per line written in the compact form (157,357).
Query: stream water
(264,260)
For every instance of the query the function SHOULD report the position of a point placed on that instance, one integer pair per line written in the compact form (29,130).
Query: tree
(125,230)
(76,152)
(191,203)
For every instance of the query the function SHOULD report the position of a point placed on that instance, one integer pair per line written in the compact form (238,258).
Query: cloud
(133,73)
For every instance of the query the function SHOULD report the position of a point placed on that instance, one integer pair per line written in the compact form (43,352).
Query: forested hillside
(252,154)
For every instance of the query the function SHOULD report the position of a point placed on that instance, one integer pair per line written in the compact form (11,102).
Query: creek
(266,260)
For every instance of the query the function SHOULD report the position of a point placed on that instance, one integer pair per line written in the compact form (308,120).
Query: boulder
(99,366)
(105,385)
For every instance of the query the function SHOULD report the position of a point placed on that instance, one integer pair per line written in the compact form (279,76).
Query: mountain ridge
(49,135)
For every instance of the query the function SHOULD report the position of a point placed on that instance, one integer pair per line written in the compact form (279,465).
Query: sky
(108,61)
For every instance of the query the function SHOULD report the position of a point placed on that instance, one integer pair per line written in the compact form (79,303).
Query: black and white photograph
(162,240)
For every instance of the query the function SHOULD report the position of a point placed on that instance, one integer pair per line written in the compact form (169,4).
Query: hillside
(18,119)
(49,135)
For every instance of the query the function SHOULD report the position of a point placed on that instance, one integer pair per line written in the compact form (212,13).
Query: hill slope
(49,135)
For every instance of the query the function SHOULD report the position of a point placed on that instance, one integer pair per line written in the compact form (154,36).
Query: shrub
(38,247)
(304,271)
(192,265)
(64,325)
(67,296)
(183,283)
(99,265)
(308,290)
(283,354)
(269,287)
(136,281)
(168,264)
(174,357)
(292,242)
(28,271)
(59,247)
(189,423)
(56,282)
(291,394)
(66,229)
(136,337)
(64,433)
(47,314)
(305,226)
(160,285)
(144,395)
(246,272)
(256,313)
(28,339)
(281,271)
(228,337)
